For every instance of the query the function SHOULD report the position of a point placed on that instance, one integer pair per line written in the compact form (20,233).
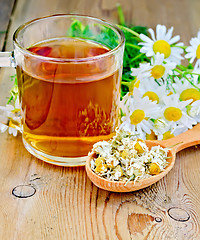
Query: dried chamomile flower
(126,158)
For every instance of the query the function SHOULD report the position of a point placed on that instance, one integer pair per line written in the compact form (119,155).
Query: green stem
(129,30)
(10,99)
(178,71)
(183,68)
(183,47)
(157,82)
(121,15)
(136,57)
(125,83)
(135,38)
(192,83)
(133,46)
(187,71)
(181,73)
(194,73)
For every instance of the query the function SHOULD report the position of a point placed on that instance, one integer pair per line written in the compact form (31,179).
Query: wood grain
(5,12)
(66,205)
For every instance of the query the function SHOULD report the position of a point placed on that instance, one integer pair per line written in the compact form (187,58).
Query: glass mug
(68,70)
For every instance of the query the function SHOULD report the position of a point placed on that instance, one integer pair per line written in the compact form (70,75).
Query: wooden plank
(66,204)
(6,7)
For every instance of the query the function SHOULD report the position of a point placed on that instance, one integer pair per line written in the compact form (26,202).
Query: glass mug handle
(7,59)
(13,119)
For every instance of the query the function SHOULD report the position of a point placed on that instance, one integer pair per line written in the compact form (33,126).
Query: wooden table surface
(64,203)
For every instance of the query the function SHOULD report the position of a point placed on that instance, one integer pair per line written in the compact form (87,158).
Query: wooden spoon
(182,141)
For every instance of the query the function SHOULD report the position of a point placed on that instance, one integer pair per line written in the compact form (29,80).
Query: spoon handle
(183,140)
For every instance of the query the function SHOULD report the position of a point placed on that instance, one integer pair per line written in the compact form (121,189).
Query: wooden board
(63,203)
(6,7)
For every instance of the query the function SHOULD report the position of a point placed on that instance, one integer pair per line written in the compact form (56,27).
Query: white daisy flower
(151,89)
(193,110)
(174,112)
(193,51)
(186,90)
(161,126)
(138,114)
(158,69)
(10,119)
(162,43)
(143,71)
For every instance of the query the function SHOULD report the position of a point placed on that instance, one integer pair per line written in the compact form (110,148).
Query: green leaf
(76,29)
(132,55)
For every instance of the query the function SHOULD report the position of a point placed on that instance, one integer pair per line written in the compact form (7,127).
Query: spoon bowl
(175,144)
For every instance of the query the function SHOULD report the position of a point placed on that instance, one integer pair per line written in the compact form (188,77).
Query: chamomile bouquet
(163,100)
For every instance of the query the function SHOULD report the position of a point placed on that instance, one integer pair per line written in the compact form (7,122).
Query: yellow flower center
(167,135)
(172,114)
(198,52)
(157,71)
(133,84)
(162,46)
(151,136)
(154,169)
(138,148)
(190,93)
(137,116)
(152,96)
(170,93)
(13,124)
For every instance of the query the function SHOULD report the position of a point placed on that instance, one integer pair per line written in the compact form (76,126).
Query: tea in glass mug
(69,70)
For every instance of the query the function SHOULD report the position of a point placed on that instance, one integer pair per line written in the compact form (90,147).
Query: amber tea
(70,101)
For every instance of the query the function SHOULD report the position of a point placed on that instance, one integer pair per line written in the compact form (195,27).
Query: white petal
(189,55)
(189,49)
(197,64)
(174,39)
(151,31)
(3,127)
(145,38)
(160,32)
(169,34)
